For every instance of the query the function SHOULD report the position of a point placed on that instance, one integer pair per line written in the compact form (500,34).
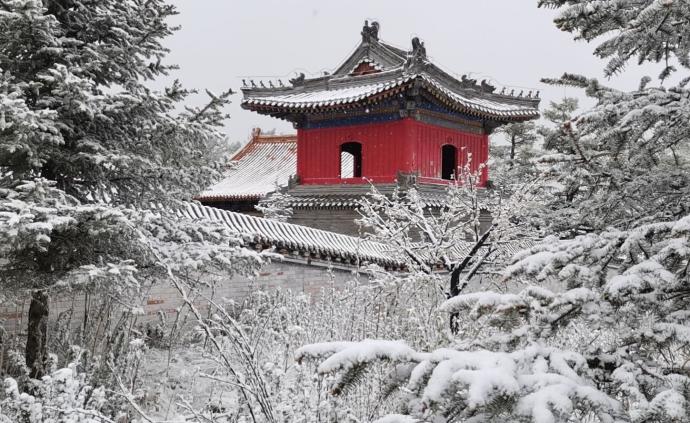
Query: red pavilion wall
(405,145)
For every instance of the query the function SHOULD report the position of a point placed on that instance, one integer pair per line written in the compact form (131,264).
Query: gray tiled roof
(265,162)
(319,244)
(291,237)
(398,71)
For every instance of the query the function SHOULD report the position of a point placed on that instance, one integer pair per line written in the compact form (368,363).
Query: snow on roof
(338,94)
(343,94)
(291,237)
(255,170)
(393,70)
(288,238)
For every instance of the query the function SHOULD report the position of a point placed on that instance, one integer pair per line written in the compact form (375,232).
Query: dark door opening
(351,160)
(449,162)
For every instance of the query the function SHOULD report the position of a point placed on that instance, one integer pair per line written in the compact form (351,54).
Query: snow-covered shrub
(251,346)
(63,396)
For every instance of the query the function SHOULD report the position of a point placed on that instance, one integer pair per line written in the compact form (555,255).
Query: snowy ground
(175,378)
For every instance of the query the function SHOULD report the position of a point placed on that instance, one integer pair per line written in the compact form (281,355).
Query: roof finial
(486,87)
(416,57)
(370,32)
(298,80)
(468,82)
(418,49)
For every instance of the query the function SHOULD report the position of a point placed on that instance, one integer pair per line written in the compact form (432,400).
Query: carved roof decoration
(396,71)
(265,162)
(365,67)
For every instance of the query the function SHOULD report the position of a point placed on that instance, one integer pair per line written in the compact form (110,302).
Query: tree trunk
(454,292)
(455,287)
(36,335)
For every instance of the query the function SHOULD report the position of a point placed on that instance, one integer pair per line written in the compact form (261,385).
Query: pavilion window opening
(351,160)
(449,162)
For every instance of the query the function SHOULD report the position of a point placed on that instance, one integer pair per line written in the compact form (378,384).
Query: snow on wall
(163,298)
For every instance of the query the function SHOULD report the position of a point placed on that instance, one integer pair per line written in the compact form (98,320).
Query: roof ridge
(259,138)
(277,139)
(395,50)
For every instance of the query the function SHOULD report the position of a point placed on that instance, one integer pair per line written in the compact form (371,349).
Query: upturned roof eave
(282,109)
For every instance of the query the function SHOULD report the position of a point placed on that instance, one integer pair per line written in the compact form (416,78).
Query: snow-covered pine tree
(558,115)
(518,135)
(626,162)
(612,341)
(86,146)
(514,164)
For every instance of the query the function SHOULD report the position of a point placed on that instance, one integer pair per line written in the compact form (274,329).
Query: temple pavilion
(386,116)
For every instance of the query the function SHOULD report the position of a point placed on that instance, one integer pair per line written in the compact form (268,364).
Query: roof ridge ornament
(370,32)
(417,56)
(467,82)
(418,49)
(298,80)
(486,87)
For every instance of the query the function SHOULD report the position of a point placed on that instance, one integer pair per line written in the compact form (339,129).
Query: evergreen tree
(86,146)
(518,135)
(514,165)
(558,115)
(276,205)
(611,341)
(625,162)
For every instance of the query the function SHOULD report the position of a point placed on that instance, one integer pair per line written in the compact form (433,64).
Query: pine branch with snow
(625,161)
(94,164)
(536,384)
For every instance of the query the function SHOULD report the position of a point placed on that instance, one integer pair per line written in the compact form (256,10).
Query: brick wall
(163,297)
(339,220)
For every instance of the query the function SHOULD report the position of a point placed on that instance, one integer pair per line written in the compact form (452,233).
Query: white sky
(512,42)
